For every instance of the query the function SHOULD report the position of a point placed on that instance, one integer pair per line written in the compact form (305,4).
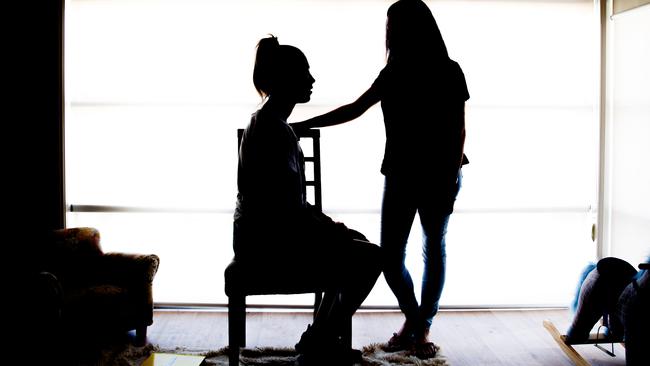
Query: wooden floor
(497,337)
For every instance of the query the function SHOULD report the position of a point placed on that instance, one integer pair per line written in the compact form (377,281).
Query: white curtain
(156,89)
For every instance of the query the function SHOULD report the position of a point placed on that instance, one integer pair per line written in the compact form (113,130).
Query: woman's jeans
(400,203)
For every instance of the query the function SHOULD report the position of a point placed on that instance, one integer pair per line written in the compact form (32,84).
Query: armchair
(95,293)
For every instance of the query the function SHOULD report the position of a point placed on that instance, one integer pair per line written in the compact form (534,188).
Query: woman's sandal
(399,342)
(426,350)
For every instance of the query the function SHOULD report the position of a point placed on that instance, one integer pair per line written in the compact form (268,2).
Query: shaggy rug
(373,355)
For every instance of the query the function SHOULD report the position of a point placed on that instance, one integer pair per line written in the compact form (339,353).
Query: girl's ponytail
(266,59)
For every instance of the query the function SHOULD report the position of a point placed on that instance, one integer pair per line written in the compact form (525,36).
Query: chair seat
(270,278)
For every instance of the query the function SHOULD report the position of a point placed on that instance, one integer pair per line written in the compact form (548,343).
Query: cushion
(598,297)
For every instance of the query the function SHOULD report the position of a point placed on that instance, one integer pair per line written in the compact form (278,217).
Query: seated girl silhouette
(274,222)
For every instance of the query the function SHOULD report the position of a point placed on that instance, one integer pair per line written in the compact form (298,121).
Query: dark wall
(33,171)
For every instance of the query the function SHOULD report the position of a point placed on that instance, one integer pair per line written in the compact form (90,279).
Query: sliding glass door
(155,91)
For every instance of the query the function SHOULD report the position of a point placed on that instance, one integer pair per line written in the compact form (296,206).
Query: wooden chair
(243,279)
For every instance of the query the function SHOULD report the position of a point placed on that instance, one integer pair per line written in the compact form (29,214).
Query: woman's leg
(434,220)
(397,214)
(434,227)
(434,209)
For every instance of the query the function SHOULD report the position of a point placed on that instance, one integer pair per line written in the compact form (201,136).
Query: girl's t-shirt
(423,108)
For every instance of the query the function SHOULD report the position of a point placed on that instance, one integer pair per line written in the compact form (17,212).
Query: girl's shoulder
(264,124)
(263,119)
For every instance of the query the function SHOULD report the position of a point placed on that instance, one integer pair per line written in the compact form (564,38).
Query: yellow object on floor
(172,359)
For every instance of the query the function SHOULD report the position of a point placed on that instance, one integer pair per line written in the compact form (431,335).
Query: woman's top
(423,107)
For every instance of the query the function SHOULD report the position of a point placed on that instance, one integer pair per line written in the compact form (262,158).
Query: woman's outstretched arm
(344,113)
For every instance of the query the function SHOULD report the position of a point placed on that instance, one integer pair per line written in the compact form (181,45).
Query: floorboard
(486,337)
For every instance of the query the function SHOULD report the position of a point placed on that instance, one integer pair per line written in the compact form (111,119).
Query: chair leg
(318,298)
(236,327)
(347,333)
(140,336)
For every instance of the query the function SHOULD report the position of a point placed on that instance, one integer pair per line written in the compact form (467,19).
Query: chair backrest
(313,159)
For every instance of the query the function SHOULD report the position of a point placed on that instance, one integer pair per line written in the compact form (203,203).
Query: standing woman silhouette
(422,93)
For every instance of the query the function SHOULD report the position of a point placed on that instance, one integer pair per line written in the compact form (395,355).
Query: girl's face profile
(304,83)
(298,82)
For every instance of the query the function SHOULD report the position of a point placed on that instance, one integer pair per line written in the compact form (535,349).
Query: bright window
(156,89)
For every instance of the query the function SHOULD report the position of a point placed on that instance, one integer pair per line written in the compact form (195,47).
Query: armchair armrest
(48,285)
(134,272)
(44,299)
(130,268)
(39,308)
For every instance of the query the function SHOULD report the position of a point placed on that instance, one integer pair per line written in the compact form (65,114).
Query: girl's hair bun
(268,43)
(265,64)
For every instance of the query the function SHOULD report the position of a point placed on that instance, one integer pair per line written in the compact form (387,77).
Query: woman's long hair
(412,33)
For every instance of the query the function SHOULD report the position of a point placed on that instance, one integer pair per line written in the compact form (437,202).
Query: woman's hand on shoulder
(300,127)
